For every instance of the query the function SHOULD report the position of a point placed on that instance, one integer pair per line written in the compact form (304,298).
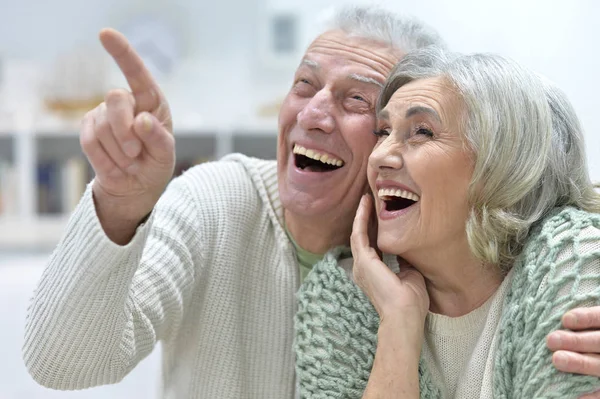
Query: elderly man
(209,264)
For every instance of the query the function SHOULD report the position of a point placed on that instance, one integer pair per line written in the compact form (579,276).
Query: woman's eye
(424,131)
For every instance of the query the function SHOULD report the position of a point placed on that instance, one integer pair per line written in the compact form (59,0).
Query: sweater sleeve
(561,272)
(100,308)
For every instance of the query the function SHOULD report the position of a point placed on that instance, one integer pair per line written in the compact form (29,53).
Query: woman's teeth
(385,193)
(317,156)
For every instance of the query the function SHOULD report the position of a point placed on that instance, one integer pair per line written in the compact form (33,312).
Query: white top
(211,274)
(460,351)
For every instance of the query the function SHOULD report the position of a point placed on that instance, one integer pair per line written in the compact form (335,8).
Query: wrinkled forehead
(434,97)
(337,49)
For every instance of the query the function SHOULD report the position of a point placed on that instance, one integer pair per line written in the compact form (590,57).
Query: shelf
(27,141)
(40,232)
(48,125)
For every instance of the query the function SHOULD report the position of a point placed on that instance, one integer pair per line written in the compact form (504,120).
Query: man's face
(326,124)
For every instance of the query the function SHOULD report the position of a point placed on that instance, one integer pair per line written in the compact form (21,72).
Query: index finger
(143,86)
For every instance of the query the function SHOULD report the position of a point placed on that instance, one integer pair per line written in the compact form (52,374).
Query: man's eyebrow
(419,109)
(310,63)
(365,79)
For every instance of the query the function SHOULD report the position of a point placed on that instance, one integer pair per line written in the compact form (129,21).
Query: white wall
(558,38)
(41,29)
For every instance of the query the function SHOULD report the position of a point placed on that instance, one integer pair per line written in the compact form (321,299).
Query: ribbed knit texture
(559,269)
(211,274)
(465,346)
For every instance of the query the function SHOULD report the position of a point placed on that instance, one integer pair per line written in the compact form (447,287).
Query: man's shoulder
(232,173)
(237,183)
(234,166)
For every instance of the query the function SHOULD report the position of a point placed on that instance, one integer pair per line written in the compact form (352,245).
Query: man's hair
(400,32)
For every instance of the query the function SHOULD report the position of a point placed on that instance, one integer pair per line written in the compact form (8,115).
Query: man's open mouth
(314,161)
(397,199)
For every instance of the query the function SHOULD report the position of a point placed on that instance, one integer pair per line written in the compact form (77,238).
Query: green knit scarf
(336,325)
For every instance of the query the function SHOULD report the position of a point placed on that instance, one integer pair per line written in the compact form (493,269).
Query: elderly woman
(481,189)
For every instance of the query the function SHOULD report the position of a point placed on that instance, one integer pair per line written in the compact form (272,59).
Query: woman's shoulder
(558,270)
(561,248)
(563,227)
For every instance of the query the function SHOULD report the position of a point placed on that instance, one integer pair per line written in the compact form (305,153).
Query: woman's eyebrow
(419,109)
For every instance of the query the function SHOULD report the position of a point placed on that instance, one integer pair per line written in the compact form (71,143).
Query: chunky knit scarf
(336,325)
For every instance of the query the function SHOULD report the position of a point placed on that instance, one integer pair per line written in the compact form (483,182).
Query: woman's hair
(527,141)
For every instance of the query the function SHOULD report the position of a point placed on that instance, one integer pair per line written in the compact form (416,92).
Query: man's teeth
(317,156)
(393,192)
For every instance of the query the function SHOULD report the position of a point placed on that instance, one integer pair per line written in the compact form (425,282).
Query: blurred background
(225,66)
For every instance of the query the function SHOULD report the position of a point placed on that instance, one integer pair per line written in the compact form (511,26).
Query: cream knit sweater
(211,274)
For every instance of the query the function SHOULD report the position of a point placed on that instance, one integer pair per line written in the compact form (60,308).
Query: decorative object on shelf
(75,83)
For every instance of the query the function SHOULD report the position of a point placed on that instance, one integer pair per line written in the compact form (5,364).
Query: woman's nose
(387,155)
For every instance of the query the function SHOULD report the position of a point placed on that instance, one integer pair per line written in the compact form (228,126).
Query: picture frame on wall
(280,38)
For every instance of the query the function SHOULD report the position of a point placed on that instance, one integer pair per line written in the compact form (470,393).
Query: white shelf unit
(25,146)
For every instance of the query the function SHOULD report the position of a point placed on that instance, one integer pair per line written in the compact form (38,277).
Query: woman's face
(420,170)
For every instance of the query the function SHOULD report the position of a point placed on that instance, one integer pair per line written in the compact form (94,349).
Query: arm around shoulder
(559,270)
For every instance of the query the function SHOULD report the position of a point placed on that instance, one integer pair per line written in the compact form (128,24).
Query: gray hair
(404,33)
(527,141)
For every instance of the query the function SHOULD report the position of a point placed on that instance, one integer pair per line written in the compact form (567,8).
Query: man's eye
(359,98)
(381,133)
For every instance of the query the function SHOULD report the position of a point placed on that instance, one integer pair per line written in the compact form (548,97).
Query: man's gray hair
(528,146)
(403,33)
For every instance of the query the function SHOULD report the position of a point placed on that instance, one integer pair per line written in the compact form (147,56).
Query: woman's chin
(392,248)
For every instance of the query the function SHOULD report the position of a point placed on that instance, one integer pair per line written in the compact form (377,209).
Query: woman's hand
(402,303)
(402,294)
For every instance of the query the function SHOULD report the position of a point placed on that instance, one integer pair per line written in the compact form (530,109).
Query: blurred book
(49,187)
(74,177)
(60,184)
(8,189)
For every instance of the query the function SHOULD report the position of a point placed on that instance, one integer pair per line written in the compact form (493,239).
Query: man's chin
(307,204)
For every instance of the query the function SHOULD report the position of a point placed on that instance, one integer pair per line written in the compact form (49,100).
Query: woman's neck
(457,283)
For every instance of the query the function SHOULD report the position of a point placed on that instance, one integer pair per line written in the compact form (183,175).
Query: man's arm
(556,281)
(100,308)
(578,350)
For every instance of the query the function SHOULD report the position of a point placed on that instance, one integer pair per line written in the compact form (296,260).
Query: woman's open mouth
(395,199)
